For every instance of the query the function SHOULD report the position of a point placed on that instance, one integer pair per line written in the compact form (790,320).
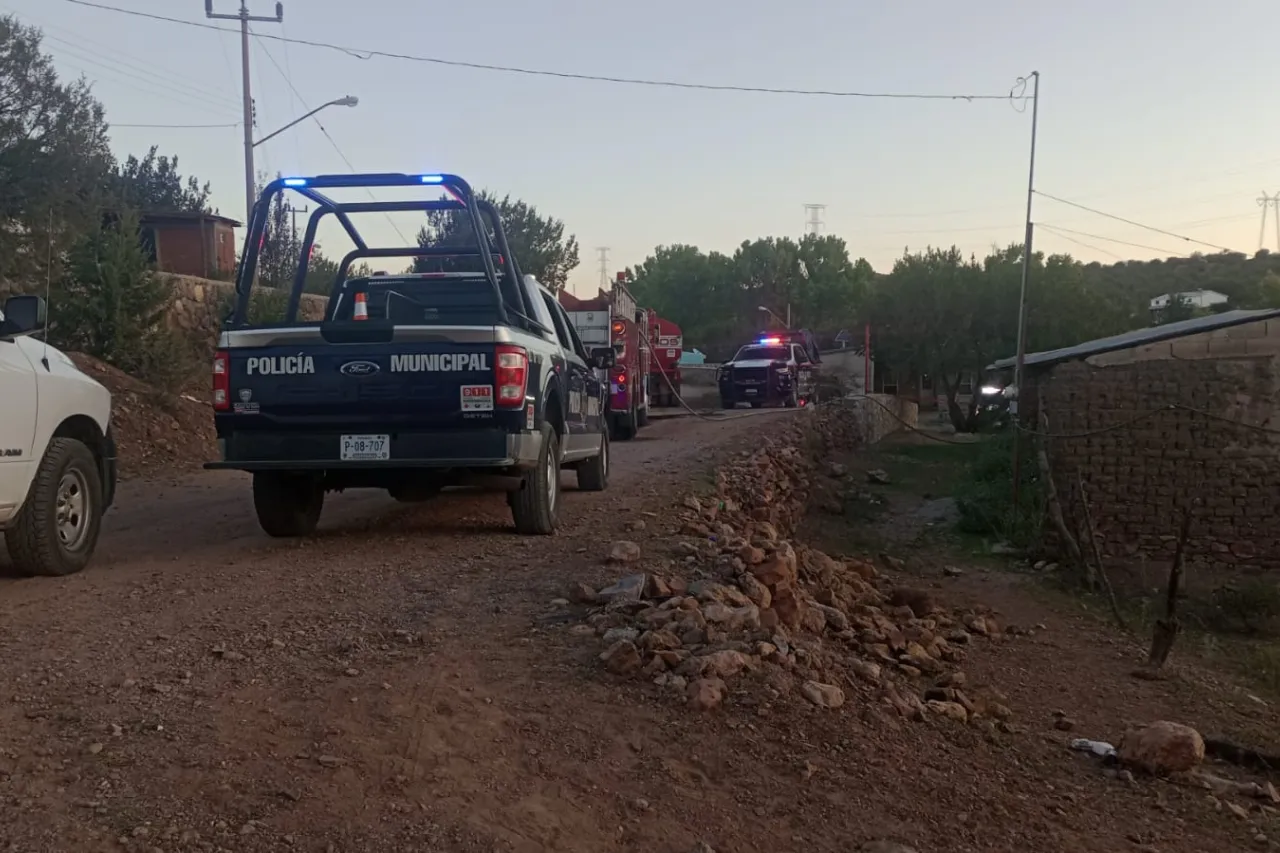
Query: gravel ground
(407,681)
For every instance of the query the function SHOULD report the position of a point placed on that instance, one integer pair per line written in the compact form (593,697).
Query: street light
(786,322)
(348,101)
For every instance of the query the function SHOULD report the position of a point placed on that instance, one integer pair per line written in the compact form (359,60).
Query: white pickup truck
(57,454)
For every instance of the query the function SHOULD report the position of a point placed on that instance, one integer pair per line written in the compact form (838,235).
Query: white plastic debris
(1102,749)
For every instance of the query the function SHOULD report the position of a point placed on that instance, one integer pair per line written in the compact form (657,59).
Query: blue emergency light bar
(390,179)
(769,342)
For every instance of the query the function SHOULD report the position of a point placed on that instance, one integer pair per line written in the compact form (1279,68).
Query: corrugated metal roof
(1139,337)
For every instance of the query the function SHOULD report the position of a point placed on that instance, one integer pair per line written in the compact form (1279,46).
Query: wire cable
(306,105)
(175,126)
(103,53)
(1132,222)
(1050,229)
(361,53)
(1164,252)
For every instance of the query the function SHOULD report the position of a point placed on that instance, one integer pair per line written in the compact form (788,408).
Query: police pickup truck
(471,375)
(777,368)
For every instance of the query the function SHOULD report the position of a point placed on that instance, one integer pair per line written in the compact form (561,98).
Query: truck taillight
(511,375)
(221,381)
(620,377)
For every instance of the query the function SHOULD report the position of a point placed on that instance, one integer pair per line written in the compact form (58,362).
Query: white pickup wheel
(57,528)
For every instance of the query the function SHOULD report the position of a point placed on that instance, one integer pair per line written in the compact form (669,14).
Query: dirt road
(408,680)
(396,682)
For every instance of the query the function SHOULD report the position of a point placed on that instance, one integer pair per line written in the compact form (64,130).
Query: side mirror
(23,315)
(603,358)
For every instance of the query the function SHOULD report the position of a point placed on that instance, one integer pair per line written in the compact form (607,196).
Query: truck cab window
(558,322)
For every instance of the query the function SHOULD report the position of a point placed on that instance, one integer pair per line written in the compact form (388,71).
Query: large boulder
(1162,747)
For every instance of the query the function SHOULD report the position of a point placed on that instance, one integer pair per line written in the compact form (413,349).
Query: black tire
(623,427)
(593,473)
(642,417)
(535,506)
(792,400)
(727,403)
(56,531)
(287,504)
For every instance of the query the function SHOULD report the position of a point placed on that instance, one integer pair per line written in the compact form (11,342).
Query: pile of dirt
(743,600)
(156,432)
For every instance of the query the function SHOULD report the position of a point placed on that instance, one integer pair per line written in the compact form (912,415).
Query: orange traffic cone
(361,310)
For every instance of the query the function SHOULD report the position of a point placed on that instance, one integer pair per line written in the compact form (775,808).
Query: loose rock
(1162,747)
(822,695)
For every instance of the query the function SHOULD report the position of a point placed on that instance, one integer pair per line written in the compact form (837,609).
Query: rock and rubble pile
(744,601)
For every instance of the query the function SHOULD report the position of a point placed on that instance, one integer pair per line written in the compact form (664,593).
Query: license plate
(750,390)
(366,448)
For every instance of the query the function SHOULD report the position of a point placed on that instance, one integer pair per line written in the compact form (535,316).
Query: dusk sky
(1159,111)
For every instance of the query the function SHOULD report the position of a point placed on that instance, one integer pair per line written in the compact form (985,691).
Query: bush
(111,305)
(984,495)
(266,304)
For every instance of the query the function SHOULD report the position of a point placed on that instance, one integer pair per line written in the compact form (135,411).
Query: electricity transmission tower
(1269,201)
(813,218)
(603,252)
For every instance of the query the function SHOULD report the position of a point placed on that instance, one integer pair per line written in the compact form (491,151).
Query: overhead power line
(363,53)
(1055,232)
(1165,252)
(294,89)
(176,126)
(1132,222)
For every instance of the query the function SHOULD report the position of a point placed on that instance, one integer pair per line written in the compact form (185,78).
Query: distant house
(196,244)
(1199,300)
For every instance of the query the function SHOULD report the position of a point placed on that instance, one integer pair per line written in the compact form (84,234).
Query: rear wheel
(535,506)
(726,403)
(593,473)
(624,426)
(755,404)
(288,504)
(642,417)
(57,528)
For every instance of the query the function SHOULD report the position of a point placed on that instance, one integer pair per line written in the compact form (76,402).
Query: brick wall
(1137,478)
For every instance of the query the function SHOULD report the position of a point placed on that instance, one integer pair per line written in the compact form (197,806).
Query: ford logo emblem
(359,368)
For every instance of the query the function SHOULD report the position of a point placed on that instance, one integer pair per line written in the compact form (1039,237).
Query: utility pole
(1269,201)
(1014,407)
(603,253)
(293,212)
(243,16)
(813,218)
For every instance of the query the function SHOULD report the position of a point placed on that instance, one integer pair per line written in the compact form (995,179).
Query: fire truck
(614,319)
(667,342)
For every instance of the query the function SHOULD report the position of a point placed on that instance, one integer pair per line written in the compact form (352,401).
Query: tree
(716,299)
(153,185)
(112,306)
(281,248)
(54,158)
(538,242)
(699,292)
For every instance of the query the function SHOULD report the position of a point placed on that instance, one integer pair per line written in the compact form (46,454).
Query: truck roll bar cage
(508,289)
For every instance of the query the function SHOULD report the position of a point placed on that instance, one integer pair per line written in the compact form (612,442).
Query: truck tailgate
(420,385)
